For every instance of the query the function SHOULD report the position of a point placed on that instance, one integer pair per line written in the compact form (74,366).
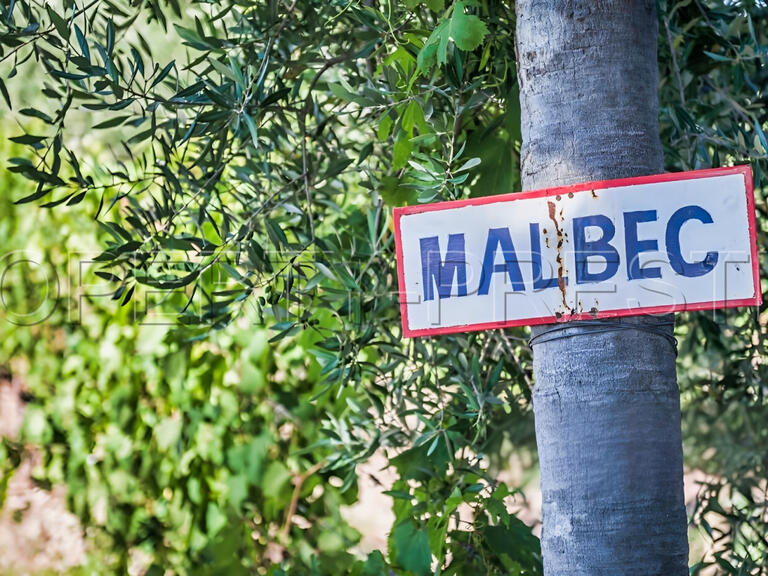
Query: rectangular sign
(647,245)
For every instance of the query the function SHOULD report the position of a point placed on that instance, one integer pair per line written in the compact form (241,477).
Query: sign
(647,245)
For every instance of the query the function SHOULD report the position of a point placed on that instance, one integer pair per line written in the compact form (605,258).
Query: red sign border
(744,170)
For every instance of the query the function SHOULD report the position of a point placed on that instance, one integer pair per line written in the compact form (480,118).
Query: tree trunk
(606,404)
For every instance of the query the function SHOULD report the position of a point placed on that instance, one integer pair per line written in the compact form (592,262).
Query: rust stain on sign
(559,259)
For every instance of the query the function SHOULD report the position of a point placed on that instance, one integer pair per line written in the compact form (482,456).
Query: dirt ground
(36,531)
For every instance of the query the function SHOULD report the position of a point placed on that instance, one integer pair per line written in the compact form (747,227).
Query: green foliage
(189,452)
(242,160)
(244,190)
(714,87)
(466,31)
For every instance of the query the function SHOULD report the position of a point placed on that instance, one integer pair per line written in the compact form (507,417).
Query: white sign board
(647,245)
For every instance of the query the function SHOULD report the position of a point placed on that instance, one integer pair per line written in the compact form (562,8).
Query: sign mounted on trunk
(647,245)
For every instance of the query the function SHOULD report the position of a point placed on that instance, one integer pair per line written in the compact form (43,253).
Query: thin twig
(298,483)
(303,124)
(675,66)
(511,351)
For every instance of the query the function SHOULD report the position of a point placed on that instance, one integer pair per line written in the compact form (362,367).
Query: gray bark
(606,405)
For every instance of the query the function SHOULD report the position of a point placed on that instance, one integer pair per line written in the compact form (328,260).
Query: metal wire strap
(559,331)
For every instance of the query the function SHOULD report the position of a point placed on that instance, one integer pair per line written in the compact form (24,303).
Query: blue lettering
(635,246)
(499,237)
(433,269)
(539,282)
(679,265)
(602,247)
